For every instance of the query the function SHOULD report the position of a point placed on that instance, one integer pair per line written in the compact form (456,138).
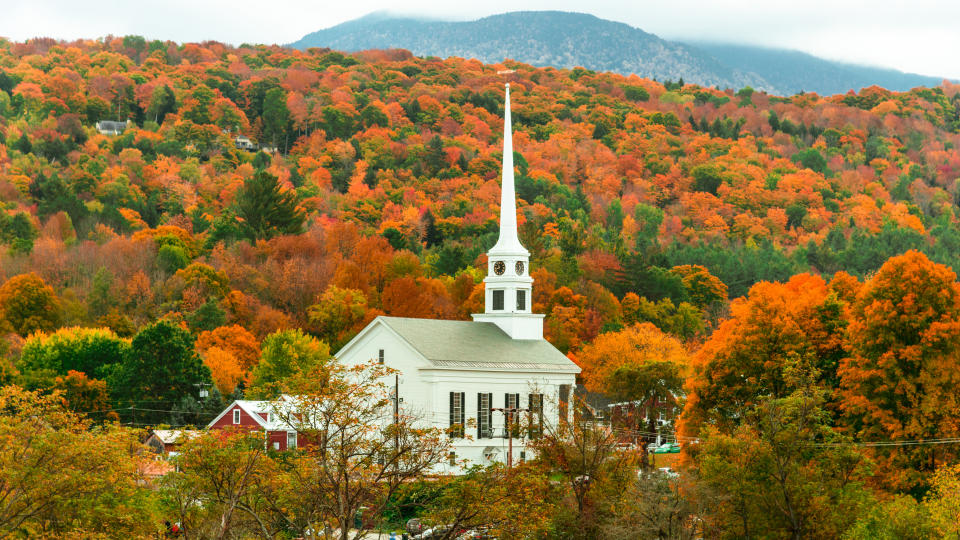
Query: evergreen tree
(276,116)
(161,369)
(266,209)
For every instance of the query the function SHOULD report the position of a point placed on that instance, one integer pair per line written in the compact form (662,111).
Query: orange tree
(639,363)
(745,356)
(901,378)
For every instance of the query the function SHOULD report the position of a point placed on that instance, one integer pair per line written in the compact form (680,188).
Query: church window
(535,407)
(484,416)
(498,300)
(456,414)
(521,300)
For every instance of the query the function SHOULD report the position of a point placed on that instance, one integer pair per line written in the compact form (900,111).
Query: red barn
(257,416)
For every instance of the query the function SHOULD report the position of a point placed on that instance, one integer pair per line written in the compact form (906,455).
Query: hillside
(384,194)
(567,40)
(760,271)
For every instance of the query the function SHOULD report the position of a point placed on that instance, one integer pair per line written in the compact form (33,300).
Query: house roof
(472,345)
(256,409)
(173,436)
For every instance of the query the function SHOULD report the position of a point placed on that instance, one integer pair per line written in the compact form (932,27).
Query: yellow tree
(60,475)
(28,304)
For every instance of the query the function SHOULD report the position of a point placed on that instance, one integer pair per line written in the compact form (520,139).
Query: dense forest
(783,263)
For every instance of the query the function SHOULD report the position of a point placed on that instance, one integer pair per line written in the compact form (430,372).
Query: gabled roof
(255,408)
(474,345)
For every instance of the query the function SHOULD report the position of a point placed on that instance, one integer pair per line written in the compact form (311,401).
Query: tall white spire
(508,286)
(508,243)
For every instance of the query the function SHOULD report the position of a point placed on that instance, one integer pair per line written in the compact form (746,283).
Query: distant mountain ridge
(565,40)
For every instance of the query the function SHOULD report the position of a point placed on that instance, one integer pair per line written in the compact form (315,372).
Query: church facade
(471,377)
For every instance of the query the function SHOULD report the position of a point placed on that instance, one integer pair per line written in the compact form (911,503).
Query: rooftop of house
(263,412)
(471,344)
(175,436)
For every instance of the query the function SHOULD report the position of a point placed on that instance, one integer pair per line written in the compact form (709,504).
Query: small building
(243,142)
(257,416)
(644,422)
(167,441)
(112,127)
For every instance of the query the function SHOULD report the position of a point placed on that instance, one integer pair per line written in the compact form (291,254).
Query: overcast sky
(920,36)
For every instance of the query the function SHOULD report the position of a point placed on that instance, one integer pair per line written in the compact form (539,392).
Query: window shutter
(453,420)
(463,411)
(480,416)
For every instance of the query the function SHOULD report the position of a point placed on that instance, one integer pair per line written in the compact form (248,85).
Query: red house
(257,416)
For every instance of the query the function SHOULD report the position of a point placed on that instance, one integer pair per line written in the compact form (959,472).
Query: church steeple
(508,286)
(508,243)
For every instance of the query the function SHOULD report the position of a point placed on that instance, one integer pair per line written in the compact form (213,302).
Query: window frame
(484,415)
(498,299)
(457,415)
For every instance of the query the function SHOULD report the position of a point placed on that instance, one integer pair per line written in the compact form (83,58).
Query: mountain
(541,38)
(798,71)
(566,40)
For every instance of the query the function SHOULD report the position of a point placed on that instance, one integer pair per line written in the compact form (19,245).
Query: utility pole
(508,416)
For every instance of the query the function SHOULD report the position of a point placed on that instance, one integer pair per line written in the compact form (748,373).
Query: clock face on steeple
(499,268)
(519,268)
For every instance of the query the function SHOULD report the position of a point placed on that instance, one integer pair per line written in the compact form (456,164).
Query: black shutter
(481,415)
(453,420)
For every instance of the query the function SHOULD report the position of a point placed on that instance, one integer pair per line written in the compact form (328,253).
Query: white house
(111,127)
(454,374)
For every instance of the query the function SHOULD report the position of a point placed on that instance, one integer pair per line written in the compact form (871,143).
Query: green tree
(92,351)
(266,209)
(202,100)
(162,102)
(160,368)
(706,178)
(276,116)
(784,472)
(286,354)
(101,297)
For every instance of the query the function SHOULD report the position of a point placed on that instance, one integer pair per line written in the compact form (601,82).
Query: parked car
(480,533)
(414,526)
(433,532)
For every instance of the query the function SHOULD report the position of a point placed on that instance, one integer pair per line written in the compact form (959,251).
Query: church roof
(482,345)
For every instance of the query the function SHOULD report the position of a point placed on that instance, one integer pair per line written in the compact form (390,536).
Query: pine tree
(266,209)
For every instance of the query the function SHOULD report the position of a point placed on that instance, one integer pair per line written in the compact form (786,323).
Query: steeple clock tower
(508,285)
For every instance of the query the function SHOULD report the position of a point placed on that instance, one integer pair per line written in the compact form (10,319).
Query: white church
(455,375)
